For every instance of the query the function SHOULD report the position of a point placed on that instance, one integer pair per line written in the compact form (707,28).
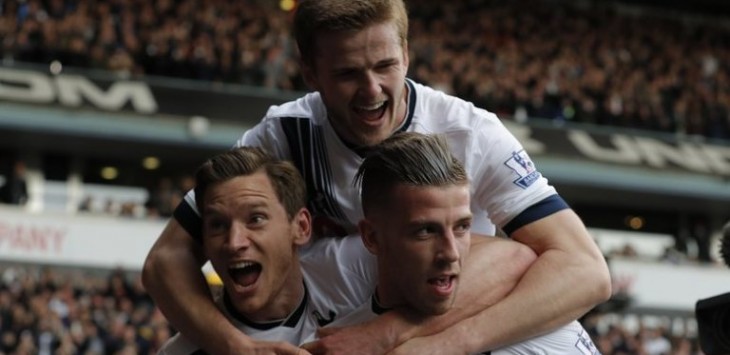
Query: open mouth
(443,285)
(373,112)
(245,273)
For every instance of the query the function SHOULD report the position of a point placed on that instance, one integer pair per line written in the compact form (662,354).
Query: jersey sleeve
(344,266)
(268,135)
(505,181)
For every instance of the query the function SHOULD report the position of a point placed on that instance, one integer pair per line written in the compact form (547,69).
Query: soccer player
(415,197)
(254,222)
(354,54)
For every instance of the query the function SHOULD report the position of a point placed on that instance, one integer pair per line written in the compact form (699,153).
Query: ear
(302,222)
(368,235)
(309,75)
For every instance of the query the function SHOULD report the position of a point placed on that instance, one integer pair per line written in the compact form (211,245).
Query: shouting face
(252,242)
(361,77)
(421,239)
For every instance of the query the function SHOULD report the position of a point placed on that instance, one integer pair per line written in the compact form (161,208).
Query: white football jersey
(339,275)
(570,339)
(507,189)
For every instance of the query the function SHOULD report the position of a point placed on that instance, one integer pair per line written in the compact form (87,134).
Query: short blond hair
(284,177)
(314,17)
(408,158)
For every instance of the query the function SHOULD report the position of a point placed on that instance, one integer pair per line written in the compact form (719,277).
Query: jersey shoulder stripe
(186,215)
(308,150)
(290,322)
(544,208)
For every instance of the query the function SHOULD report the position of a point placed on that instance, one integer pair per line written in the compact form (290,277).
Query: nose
(449,248)
(370,85)
(238,237)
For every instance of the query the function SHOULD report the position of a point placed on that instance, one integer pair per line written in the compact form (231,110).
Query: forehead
(381,39)
(429,202)
(241,189)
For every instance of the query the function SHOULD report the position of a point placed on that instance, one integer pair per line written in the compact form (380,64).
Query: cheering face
(361,77)
(251,243)
(421,239)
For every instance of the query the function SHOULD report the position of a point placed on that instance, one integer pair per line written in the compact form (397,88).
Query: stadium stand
(75,311)
(586,62)
(570,75)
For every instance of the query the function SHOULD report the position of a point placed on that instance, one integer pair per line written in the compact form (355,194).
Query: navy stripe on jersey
(375,305)
(544,208)
(411,106)
(189,220)
(309,154)
(299,136)
(290,322)
(323,175)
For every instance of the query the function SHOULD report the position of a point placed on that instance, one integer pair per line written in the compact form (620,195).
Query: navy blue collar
(375,305)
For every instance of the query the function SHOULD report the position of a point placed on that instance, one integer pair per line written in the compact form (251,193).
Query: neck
(283,302)
(386,294)
(403,109)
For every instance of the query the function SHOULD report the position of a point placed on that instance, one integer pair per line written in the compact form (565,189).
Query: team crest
(521,164)
(585,345)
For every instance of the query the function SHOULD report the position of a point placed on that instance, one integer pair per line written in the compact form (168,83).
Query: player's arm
(569,277)
(493,268)
(172,276)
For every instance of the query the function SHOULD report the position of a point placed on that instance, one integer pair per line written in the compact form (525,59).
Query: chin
(437,311)
(374,139)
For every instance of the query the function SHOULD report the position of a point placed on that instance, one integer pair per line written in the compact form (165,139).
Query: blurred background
(107,107)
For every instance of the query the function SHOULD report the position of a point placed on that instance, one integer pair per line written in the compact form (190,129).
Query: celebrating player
(354,54)
(415,197)
(254,222)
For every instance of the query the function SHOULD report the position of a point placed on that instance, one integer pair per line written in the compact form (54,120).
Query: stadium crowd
(64,311)
(560,61)
(61,311)
(526,59)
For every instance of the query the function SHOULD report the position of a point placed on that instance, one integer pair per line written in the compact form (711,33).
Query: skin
(563,248)
(560,240)
(360,77)
(244,222)
(378,62)
(424,234)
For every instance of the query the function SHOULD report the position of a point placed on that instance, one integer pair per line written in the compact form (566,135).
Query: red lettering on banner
(31,238)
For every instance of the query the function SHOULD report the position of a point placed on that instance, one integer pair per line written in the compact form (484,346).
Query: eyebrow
(246,206)
(346,68)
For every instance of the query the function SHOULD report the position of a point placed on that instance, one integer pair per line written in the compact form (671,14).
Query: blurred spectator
(653,342)
(164,198)
(619,334)
(701,233)
(161,200)
(15,190)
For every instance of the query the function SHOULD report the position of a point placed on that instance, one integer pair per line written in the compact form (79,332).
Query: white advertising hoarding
(83,240)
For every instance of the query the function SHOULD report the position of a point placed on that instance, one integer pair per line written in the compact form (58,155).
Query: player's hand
(362,339)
